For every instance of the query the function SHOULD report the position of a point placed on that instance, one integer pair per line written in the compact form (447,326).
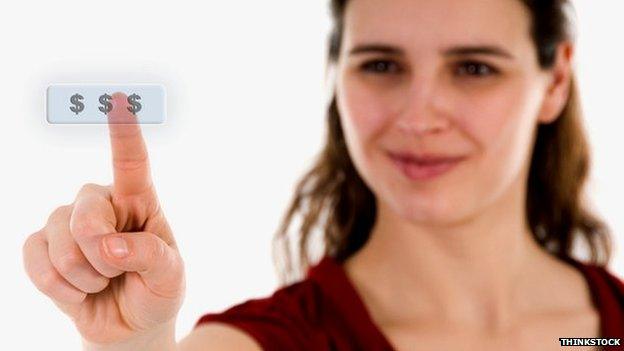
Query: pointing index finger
(131,171)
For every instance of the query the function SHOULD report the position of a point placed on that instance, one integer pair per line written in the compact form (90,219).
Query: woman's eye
(476,69)
(380,67)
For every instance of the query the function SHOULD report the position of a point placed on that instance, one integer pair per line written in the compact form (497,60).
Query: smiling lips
(424,166)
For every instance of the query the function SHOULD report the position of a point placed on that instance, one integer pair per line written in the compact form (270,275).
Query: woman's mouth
(424,167)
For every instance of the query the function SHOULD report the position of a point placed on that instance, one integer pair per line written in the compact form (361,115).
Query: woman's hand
(109,260)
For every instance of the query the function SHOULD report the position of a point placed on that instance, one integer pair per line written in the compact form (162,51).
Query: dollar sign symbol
(107,106)
(136,106)
(75,100)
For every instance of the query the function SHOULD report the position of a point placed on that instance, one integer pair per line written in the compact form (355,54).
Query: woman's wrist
(161,338)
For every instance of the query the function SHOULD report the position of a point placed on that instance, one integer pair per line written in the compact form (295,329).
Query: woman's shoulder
(616,280)
(289,318)
(607,290)
(320,312)
(603,279)
(299,299)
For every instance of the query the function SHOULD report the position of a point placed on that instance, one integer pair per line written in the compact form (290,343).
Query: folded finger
(45,277)
(69,261)
(92,217)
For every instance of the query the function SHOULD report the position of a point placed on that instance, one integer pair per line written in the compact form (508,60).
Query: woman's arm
(159,339)
(218,337)
(207,337)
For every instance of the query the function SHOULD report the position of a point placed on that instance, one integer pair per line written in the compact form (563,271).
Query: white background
(245,84)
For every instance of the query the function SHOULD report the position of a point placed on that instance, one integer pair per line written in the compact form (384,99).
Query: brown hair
(332,197)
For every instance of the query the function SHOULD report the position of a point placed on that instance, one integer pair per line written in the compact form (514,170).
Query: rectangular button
(90,103)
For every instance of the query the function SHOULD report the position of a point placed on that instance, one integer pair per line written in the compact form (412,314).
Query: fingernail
(116,246)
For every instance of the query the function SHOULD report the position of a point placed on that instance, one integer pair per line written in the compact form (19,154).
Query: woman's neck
(481,273)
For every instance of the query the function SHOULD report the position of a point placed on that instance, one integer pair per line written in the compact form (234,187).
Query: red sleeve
(610,299)
(617,285)
(283,321)
(618,282)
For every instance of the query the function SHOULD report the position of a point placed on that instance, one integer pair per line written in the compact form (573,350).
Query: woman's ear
(558,90)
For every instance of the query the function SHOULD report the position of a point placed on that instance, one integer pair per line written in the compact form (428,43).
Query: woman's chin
(438,212)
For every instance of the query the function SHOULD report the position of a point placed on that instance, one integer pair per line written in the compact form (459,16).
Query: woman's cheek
(487,116)
(363,114)
(500,126)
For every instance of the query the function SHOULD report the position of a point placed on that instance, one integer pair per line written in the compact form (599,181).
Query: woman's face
(405,83)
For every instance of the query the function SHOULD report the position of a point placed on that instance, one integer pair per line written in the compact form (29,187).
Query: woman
(449,192)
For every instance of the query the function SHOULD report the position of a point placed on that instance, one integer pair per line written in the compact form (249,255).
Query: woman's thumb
(159,265)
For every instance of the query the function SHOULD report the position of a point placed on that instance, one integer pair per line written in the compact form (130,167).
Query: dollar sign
(136,106)
(107,106)
(75,100)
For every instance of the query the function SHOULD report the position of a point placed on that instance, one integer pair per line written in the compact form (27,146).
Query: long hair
(333,201)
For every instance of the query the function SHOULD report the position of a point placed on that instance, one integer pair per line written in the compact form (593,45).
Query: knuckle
(29,253)
(83,226)
(130,164)
(26,247)
(155,252)
(89,188)
(47,281)
(67,263)
(159,251)
(59,213)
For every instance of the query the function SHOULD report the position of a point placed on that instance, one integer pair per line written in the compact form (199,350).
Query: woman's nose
(420,111)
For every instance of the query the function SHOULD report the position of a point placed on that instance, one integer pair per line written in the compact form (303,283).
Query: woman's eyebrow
(477,50)
(376,48)
(462,50)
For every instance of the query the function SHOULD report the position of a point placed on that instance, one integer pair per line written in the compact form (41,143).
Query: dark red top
(324,312)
